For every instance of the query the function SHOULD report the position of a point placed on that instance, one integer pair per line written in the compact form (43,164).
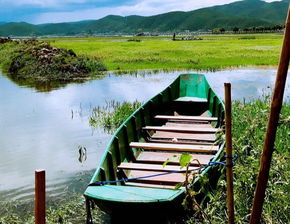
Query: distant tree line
(253,29)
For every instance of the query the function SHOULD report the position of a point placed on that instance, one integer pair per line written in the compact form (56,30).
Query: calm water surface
(44,130)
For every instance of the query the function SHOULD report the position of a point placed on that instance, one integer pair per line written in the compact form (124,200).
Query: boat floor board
(168,179)
(151,167)
(161,157)
(193,125)
(184,136)
(186,118)
(182,129)
(175,147)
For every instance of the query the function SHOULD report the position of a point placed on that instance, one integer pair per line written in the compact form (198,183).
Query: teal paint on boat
(118,198)
(131,194)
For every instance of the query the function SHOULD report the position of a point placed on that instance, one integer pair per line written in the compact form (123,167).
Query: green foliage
(184,160)
(111,116)
(249,127)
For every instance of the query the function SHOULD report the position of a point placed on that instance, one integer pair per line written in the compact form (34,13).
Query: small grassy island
(34,63)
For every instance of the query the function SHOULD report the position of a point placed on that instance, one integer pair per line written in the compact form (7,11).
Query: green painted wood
(130,194)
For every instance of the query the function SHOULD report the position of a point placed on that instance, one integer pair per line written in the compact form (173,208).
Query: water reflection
(47,129)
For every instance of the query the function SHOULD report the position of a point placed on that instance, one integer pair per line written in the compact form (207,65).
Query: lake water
(44,130)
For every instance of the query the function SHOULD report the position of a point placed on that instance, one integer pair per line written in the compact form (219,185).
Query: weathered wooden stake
(268,147)
(229,159)
(39,203)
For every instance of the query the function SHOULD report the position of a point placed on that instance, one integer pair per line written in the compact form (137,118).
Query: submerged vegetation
(214,52)
(112,115)
(36,62)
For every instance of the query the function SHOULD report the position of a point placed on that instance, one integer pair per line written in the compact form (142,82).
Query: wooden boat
(183,118)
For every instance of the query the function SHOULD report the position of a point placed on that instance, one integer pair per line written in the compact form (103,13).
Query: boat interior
(184,118)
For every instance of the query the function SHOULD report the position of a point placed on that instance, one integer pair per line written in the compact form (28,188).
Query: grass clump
(249,128)
(134,40)
(247,38)
(112,115)
(66,210)
(33,62)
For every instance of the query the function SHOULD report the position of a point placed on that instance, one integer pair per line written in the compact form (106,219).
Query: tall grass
(249,127)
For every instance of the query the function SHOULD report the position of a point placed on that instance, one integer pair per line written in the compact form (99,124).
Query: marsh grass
(66,210)
(214,52)
(112,115)
(249,128)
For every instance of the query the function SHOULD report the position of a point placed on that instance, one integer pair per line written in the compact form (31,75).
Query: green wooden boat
(131,181)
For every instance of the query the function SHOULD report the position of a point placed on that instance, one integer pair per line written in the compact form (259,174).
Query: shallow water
(44,130)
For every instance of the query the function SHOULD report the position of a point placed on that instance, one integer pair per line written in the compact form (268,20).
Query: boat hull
(188,95)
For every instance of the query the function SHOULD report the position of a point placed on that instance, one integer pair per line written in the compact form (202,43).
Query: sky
(54,11)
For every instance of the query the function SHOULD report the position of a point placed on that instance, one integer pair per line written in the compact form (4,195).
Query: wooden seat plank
(191,99)
(185,136)
(168,179)
(151,167)
(175,147)
(161,157)
(186,118)
(181,129)
(179,141)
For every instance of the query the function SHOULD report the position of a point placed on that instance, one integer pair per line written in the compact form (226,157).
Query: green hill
(242,14)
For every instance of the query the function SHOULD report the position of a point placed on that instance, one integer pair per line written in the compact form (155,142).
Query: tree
(236,29)
(222,30)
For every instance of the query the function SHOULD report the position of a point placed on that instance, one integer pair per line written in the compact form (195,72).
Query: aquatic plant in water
(112,115)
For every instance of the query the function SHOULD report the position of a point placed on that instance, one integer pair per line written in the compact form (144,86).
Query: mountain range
(242,14)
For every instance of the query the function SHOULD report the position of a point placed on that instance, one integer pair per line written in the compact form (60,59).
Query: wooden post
(39,203)
(268,147)
(229,159)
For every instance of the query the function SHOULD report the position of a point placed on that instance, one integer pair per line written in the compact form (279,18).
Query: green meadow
(213,52)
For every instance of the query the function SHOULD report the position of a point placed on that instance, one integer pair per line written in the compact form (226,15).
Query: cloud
(144,8)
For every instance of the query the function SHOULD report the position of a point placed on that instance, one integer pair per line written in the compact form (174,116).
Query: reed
(112,115)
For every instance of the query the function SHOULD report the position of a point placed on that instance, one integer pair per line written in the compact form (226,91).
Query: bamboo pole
(276,106)
(39,203)
(229,159)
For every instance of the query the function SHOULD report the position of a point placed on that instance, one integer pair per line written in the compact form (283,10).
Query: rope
(211,163)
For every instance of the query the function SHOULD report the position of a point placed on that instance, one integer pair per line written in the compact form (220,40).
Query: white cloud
(144,7)
(40,3)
